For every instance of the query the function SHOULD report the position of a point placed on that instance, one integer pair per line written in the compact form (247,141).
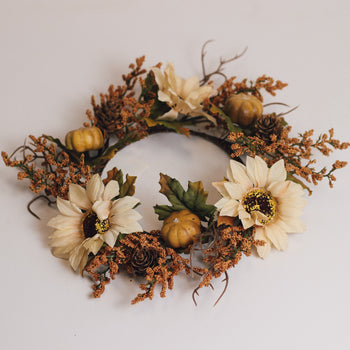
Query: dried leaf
(194,199)
(114,174)
(127,187)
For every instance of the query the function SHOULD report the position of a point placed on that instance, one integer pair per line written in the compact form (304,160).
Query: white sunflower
(261,197)
(90,218)
(183,96)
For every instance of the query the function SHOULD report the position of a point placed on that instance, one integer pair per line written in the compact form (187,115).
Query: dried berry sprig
(109,261)
(297,153)
(119,112)
(227,244)
(49,169)
(230,87)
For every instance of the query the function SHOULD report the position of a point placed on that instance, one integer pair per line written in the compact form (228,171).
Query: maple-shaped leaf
(194,199)
(127,187)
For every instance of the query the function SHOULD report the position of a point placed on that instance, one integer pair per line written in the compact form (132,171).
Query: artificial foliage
(271,171)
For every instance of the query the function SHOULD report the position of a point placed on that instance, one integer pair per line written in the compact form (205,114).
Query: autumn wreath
(97,227)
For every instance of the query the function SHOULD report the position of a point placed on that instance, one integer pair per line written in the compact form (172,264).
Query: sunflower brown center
(259,200)
(92,225)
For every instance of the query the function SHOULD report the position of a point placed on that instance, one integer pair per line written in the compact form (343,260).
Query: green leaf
(150,87)
(173,125)
(283,122)
(128,187)
(163,211)
(173,190)
(150,92)
(230,126)
(116,175)
(194,199)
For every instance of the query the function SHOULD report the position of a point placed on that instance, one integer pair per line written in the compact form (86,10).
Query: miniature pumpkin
(84,139)
(243,109)
(181,228)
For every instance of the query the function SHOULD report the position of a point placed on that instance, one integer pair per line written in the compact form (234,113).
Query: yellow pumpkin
(84,139)
(181,228)
(243,109)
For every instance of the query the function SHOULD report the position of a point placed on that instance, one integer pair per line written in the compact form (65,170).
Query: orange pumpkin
(243,109)
(181,228)
(84,139)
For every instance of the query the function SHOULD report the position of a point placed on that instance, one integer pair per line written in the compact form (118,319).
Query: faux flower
(261,197)
(183,96)
(90,218)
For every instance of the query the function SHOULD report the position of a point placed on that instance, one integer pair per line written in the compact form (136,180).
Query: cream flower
(261,197)
(183,96)
(90,218)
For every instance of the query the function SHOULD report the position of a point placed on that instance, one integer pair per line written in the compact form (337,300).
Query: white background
(55,54)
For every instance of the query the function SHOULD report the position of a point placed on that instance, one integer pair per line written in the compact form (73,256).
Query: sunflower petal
(278,188)
(93,244)
(257,171)
(110,237)
(83,261)
(190,84)
(230,208)
(67,208)
(276,173)
(220,187)
(125,218)
(130,228)
(95,188)
(263,251)
(76,256)
(63,222)
(222,202)
(123,204)
(235,191)
(60,252)
(277,236)
(77,195)
(111,190)
(238,173)
(291,224)
(102,209)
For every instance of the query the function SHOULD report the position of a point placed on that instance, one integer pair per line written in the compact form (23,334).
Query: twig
(275,103)
(291,110)
(203,53)
(50,202)
(193,295)
(225,288)
(222,62)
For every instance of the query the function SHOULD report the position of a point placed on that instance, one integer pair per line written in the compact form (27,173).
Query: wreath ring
(97,228)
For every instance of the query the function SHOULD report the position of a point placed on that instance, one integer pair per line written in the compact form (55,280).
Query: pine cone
(141,259)
(268,125)
(107,114)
